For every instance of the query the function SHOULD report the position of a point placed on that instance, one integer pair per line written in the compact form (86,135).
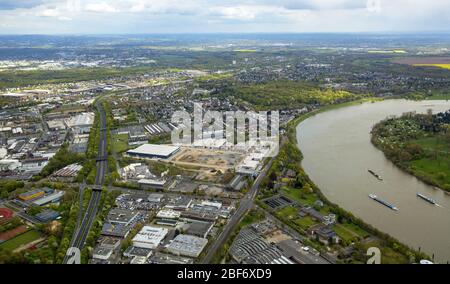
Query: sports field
(20,240)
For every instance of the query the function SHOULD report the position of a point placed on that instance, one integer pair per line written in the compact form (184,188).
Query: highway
(82,231)
(245,205)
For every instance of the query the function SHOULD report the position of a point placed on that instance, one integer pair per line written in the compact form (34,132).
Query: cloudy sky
(197,16)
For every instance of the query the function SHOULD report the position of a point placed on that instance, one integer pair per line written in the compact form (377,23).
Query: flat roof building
(153,151)
(155,197)
(149,237)
(187,245)
(168,217)
(133,251)
(81,123)
(156,184)
(32,194)
(102,253)
(122,216)
(69,172)
(200,229)
(47,216)
(51,198)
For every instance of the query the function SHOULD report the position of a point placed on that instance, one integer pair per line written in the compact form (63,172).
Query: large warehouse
(149,237)
(187,245)
(154,151)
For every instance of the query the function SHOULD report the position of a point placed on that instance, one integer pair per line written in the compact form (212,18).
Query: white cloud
(101,7)
(228,15)
(237,12)
(48,13)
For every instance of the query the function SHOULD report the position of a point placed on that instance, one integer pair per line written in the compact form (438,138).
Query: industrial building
(153,151)
(237,183)
(187,245)
(155,197)
(135,171)
(149,237)
(167,217)
(81,123)
(133,251)
(120,222)
(199,229)
(139,260)
(67,173)
(47,216)
(30,195)
(51,198)
(156,184)
(122,216)
(102,253)
(250,248)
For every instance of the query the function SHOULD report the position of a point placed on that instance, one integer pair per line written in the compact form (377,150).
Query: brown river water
(337,156)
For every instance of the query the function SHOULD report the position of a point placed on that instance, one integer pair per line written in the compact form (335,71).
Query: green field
(288,212)
(436,166)
(300,196)
(438,170)
(349,232)
(120,143)
(305,222)
(22,239)
(388,255)
(439,97)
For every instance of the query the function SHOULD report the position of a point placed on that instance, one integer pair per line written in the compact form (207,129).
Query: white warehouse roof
(187,245)
(149,237)
(154,150)
(83,119)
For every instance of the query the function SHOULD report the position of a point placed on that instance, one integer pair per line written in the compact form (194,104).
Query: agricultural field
(443,66)
(423,61)
(437,62)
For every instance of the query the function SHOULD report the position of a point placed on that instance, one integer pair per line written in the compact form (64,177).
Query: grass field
(355,229)
(443,66)
(388,255)
(22,239)
(300,196)
(437,170)
(120,143)
(439,96)
(431,143)
(305,222)
(350,232)
(436,166)
(288,212)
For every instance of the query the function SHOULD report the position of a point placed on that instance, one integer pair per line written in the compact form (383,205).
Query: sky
(222,16)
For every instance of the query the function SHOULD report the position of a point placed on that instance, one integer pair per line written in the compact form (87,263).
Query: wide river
(337,155)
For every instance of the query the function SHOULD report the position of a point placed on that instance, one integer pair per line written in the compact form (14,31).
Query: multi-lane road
(82,231)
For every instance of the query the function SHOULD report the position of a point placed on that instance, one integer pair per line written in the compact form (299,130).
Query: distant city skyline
(226,16)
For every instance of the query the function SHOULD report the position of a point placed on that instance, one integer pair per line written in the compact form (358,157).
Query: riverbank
(389,245)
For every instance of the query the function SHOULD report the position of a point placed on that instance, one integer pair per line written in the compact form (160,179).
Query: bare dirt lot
(205,158)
